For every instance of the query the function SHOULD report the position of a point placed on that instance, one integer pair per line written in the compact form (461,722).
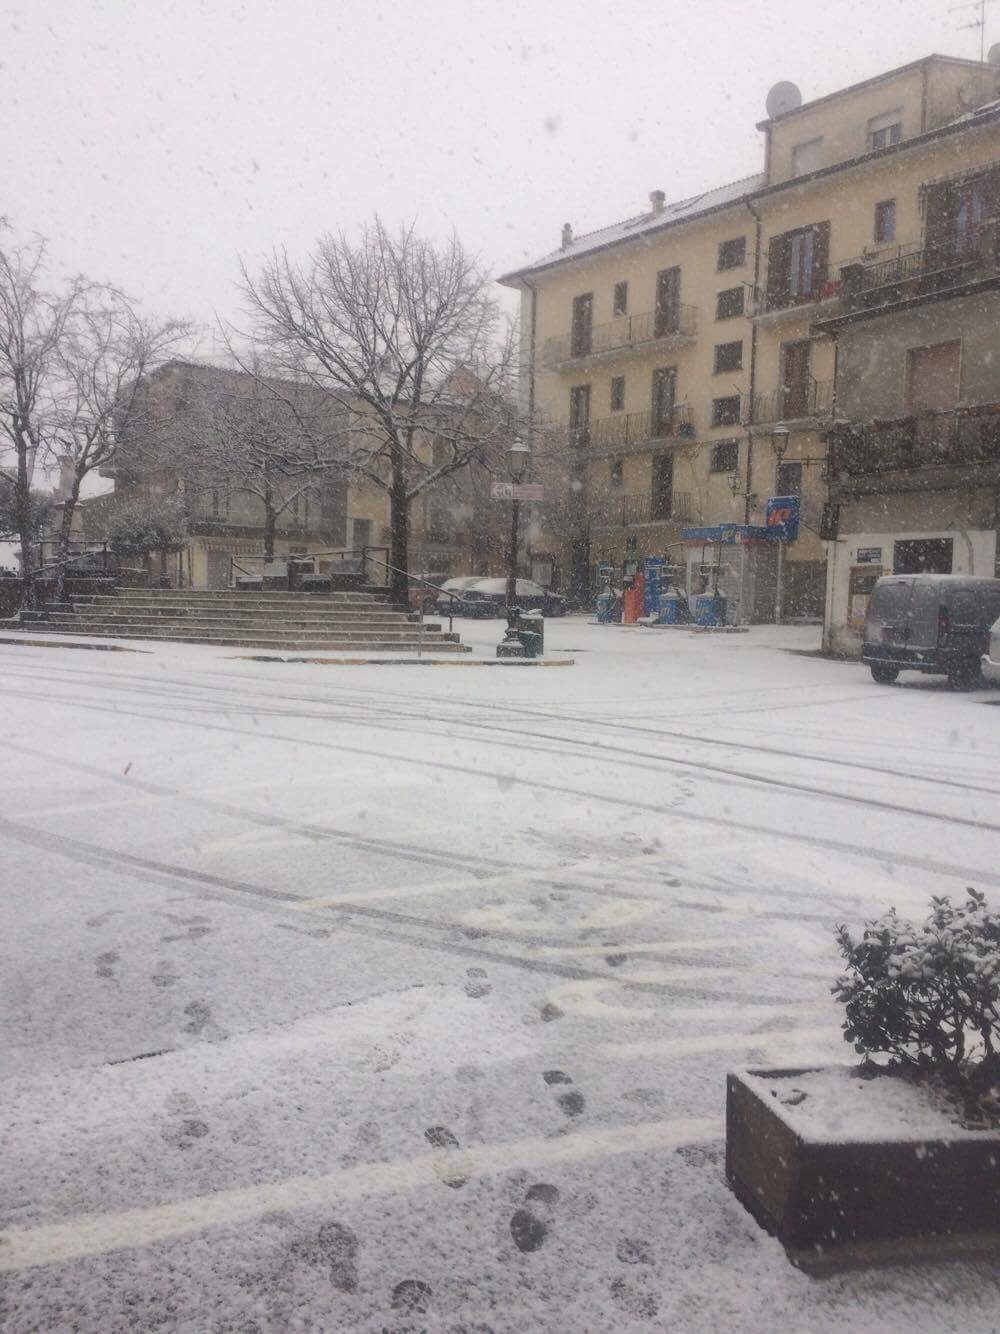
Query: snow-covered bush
(927,996)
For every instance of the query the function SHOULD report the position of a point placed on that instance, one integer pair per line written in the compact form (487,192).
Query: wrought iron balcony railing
(630,331)
(964,437)
(630,429)
(813,398)
(915,270)
(626,511)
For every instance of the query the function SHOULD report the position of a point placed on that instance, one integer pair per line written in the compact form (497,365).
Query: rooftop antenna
(978,23)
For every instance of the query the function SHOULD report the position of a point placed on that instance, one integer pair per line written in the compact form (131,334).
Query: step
(230,595)
(317,604)
(167,629)
(441,644)
(208,630)
(168,616)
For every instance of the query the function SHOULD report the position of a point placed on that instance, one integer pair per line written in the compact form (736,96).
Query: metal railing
(814,398)
(350,560)
(914,268)
(625,429)
(452,596)
(85,553)
(627,511)
(629,331)
(966,437)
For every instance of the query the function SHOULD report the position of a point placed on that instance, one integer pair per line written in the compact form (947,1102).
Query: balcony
(964,438)
(792,403)
(629,431)
(915,271)
(771,307)
(678,325)
(630,511)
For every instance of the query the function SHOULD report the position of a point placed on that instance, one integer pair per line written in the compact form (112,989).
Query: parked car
(488,597)
(938,623)
(991,658)
(451,606)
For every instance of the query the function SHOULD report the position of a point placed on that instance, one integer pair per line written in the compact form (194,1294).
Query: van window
(890,602)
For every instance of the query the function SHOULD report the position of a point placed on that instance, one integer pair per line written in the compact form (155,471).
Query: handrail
(427,584)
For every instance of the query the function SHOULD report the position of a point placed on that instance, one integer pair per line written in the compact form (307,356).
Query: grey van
(930,623)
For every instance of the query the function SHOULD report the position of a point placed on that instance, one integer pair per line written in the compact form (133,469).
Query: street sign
(517,491)
(869,556)
(782,518)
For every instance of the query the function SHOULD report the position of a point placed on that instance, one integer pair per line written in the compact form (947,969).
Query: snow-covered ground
(396,998)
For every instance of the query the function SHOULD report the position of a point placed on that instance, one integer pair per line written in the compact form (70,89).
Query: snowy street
(399,997)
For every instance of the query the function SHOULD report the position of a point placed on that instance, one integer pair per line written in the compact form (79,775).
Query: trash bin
(709,609)
(531,632)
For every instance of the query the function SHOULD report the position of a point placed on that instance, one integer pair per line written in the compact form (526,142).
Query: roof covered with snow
(643,223)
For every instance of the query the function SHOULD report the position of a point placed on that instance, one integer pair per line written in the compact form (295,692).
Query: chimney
(658,200)
(567,236)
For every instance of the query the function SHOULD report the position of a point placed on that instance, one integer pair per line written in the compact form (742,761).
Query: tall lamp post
(518,458)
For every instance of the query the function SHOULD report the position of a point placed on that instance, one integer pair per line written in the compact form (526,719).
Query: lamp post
(518,458)
(779,443)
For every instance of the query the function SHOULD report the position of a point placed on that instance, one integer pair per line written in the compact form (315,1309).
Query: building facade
(691,361)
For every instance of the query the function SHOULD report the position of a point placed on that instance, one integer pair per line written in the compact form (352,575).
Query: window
(726,411)
(885,221)
(732,254)
(788,479)
(621,299)
(729,356)
(663,486)
(664,398)
(617,393)
(220,504)
(923,555)
(616,473)
(668,302)
(933,376)
(797,265)
(885,130)
(583,319)
(807,157)
(796,379)
(579,415)
(726,456)
(729,303)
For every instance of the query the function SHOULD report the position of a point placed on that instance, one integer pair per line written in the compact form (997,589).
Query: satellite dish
(993,55)
(782,98)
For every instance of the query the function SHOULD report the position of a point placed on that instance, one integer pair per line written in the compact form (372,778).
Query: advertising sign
(869,556)
(783,518)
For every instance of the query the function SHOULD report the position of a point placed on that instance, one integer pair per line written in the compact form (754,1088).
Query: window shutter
(939,217)
(778,258)
(821,255)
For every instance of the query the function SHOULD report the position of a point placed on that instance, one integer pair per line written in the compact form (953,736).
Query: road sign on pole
(517,491)
(783,518)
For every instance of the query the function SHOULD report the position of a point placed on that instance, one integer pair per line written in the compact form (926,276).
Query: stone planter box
(881,1167)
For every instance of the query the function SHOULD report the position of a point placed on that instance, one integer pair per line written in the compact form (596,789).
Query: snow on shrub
(927,996)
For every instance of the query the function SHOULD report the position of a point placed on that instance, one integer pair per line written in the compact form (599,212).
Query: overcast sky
(154,141)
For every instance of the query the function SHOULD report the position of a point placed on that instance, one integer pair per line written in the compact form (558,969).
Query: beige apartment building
(691,361)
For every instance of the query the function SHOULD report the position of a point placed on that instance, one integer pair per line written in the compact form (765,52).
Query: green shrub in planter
(927,996)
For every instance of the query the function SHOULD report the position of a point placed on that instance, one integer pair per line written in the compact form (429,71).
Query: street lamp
(518,458)
(779,441)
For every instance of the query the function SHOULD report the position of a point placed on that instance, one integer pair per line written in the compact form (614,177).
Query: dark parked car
(488,597)
(936,623)
(445,605)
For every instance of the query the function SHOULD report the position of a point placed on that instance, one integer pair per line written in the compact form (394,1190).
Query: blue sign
(783,518)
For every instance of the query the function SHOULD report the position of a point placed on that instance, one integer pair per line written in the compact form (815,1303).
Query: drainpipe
(758,227)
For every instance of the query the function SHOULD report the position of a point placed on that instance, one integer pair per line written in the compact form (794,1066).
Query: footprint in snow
(529,1225)
(412,1295)
(104,964)
(335,1249)
(476,987)
(440,1137)
(164,975)
(631,1298)
(572,1102)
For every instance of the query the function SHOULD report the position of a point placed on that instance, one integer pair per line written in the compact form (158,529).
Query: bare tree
(405,338)
(105,351)
(33,321)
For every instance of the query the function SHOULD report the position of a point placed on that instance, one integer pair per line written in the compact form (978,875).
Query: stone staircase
(356,621)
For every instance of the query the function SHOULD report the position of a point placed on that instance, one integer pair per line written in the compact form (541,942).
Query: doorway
(218,568)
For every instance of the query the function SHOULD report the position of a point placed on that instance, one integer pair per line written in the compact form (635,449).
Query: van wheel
(882,674)
(966,674)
